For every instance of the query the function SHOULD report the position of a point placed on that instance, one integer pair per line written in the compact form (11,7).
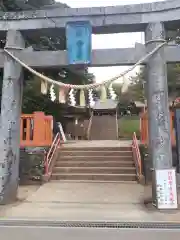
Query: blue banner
(78,39)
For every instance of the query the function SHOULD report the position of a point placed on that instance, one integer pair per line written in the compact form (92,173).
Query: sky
(122,40)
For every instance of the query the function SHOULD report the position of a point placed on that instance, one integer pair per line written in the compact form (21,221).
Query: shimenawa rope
(88,86)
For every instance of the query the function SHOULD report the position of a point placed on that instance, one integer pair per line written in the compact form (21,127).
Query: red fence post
(39,129)
(144,128)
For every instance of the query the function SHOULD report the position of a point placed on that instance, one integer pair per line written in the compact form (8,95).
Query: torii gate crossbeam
(100,57)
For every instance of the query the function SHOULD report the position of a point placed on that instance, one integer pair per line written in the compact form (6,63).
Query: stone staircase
(94,164)
(104,128)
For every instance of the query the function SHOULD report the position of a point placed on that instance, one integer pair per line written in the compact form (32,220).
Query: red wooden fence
(144,128)
(36,130)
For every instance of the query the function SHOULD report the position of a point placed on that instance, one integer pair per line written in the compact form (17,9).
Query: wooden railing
(144,128)
(36,130)
(137,157)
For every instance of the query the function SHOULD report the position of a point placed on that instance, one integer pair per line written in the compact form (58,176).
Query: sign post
(166,189)
(78,40)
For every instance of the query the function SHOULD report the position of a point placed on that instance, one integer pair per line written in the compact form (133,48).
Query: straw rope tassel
(52,93)
(44,87)
(82,99)
(103,93)
(125,86)
(72,99)
(112,92)
(62,95)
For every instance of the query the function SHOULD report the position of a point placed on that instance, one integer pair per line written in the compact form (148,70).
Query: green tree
(138,85)
(135,90)
(174,80)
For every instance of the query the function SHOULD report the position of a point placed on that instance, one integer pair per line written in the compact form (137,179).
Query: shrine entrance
(154,19)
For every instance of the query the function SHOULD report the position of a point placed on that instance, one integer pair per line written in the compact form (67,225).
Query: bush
(32,163)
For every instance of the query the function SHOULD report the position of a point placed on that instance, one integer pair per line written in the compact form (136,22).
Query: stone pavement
(23,193)
(98,143)
(80,201)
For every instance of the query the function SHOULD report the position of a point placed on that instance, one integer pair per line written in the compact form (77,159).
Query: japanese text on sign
(166,189)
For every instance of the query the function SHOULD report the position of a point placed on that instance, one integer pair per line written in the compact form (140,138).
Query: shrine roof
(105,105)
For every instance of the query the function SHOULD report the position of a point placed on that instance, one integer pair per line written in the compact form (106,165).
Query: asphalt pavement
(66,233)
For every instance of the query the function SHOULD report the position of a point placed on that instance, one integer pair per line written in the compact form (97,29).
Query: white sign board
(166,189)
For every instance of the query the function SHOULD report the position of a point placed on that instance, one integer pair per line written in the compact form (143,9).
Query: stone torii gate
(152,18)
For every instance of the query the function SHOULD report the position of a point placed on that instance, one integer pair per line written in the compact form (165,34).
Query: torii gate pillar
(158,106)
(10,120)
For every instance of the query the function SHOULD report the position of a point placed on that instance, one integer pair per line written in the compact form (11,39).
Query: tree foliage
(21,5)
(135,91)
(138,84)
(138,87)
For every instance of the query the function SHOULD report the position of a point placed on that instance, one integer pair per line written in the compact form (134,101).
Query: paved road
(53,233)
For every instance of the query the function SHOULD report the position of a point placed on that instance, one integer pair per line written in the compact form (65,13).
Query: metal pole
(10,120)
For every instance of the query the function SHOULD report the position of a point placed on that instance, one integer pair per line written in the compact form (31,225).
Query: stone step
(103,163)
(109,129)
(95,153)
(109,136)
(103,128)
(95,170)
(96,177)
(95,158)
(65,148)
(94,181)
